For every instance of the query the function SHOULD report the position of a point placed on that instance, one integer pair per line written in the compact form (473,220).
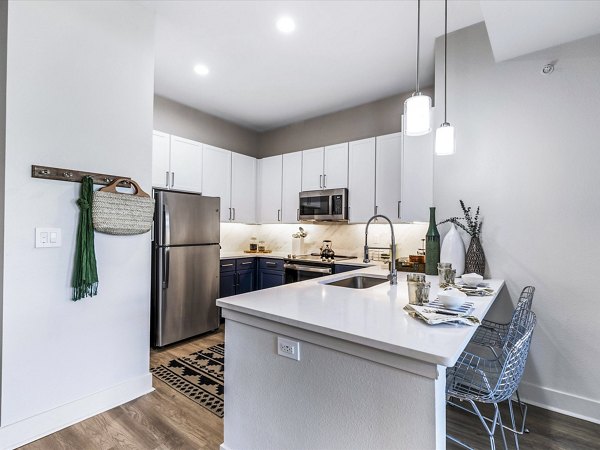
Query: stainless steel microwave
(330,205)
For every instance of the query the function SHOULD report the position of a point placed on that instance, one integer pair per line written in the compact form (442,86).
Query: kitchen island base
(339,395)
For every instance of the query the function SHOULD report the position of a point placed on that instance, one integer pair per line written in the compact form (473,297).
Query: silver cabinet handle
(233,213)
(278,215)
(324,181)
(167,179)
(271,264)
(172,179)
(321,181)
(298,215)
(399,208)
(227,265)
(229,213)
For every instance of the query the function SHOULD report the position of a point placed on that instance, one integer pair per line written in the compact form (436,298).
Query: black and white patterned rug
(199,376)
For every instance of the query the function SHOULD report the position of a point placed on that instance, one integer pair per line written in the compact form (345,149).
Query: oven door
(301,272)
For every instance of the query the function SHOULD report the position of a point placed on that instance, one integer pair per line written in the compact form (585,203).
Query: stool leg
(512,419)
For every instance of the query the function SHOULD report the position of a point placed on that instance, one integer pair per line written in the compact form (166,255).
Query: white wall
(527,153)
(79,95)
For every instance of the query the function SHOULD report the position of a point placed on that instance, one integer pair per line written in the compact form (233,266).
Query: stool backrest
(514,353)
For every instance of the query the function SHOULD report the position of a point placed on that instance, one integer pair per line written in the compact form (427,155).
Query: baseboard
(38,426)
(223,447)
(561,402)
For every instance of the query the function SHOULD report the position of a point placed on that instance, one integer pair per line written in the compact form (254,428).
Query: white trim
(48,422)
(568,404)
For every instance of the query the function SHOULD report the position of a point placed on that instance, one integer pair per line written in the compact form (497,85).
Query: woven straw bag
(122,214)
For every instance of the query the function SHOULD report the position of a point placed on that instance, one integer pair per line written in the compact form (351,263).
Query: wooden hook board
(76,176)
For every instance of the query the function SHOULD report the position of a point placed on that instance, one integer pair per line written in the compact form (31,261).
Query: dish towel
(85,275)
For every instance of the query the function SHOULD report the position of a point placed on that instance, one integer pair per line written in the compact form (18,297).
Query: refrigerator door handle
(167,226)
(167,263)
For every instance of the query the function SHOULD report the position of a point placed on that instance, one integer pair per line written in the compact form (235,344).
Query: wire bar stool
(493,335)
(476,379)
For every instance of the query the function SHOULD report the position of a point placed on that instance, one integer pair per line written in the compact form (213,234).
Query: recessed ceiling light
(201,69)
(286,24)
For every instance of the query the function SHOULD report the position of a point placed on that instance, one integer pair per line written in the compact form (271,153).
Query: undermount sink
(357,282)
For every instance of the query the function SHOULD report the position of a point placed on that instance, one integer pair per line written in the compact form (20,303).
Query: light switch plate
(48,237)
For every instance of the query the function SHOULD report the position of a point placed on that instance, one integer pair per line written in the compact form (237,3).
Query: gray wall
(527,153)
(3,48)
(368,120)
(181,120)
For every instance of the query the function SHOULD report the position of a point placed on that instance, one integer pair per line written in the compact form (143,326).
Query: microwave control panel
(337,206)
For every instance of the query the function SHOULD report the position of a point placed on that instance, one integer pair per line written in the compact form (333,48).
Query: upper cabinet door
(388,185)
(292,185)
(186,164)
(161,177)
(312,169)
(335,173)
(361,180)
(417,178)
(243,188)
(269,189)
(216,177)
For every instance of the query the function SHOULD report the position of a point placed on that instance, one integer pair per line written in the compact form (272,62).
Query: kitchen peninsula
(368,375)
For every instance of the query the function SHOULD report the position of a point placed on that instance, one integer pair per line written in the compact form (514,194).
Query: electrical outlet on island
(289,349)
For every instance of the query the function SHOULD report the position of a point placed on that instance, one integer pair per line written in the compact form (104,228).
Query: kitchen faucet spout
(393,276)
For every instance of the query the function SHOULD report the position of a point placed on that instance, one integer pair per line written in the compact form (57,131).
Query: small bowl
(472,279)
(452,298)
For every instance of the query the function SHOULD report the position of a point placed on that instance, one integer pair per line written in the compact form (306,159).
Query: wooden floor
(166,419)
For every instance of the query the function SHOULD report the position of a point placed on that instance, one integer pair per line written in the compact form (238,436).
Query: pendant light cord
(418,39)
(445,55)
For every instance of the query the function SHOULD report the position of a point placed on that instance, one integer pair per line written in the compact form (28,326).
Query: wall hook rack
(76,176)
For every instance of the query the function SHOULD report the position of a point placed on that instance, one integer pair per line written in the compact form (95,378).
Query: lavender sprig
(472,225)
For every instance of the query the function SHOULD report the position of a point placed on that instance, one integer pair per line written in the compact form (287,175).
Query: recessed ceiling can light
(286,24)
(201,69)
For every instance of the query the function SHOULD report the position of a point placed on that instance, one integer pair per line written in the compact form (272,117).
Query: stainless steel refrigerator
(185,266)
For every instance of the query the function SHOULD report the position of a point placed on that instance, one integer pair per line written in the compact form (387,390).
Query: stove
(306,267)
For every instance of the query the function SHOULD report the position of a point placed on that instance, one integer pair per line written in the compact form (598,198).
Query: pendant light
(417,120)
(445,143)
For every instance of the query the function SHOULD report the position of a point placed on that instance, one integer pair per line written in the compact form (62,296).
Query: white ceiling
(342,53)
(519,27)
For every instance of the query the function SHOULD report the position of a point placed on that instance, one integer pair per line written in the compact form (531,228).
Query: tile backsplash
(347,239)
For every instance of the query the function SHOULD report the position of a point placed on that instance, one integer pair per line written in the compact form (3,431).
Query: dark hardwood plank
(165,420)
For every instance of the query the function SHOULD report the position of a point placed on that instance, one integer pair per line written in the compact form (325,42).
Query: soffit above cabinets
(518,27)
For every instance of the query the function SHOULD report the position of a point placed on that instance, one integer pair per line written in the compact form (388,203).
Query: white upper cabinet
(161,176)
(388,183)
(269,189)
(186,164)
(361,180)
(312,169)
(291,187)
(325,167)
(216,177)
(335,166)
(417,178)
(243,188)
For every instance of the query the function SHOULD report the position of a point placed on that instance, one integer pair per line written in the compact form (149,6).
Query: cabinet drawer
(227,265)
(245,263)
(271,264)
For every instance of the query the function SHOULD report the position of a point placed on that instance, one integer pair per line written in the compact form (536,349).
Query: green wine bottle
(432,245)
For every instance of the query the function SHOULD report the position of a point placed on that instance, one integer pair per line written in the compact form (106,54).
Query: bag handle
(112,187)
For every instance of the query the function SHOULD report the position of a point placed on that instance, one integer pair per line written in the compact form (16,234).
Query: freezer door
(185,292)
(186,219)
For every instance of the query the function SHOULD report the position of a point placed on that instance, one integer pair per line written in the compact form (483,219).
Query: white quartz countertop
(373,317)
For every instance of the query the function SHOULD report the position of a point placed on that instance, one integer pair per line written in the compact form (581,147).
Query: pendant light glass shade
(445,143)
(417,117)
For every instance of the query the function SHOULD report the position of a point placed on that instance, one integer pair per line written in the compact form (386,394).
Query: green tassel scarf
(85,276)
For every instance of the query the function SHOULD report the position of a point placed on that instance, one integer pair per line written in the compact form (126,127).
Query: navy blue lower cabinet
(270,273)
(341,268)
(246,281)
(270,278)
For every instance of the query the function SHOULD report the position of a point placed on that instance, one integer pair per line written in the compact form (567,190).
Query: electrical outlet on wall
(288,348)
